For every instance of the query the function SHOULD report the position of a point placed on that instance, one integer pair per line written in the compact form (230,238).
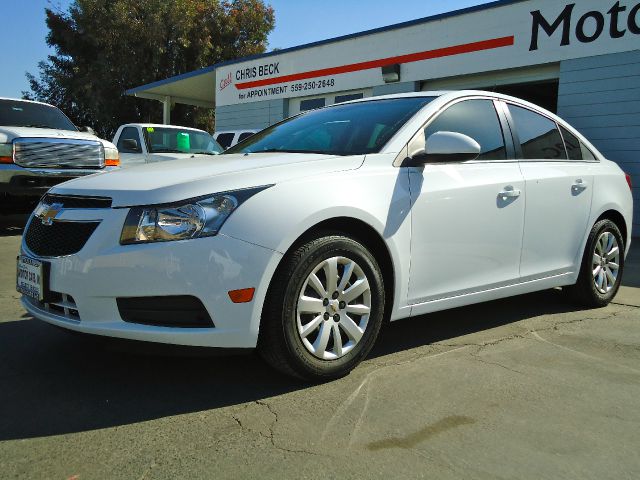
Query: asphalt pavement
(527,387)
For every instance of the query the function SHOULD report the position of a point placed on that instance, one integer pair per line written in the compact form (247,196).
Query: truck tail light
(628,177)
(6,153)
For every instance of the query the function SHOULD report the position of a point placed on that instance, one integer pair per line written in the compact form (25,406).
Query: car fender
(267,221)
(611,192)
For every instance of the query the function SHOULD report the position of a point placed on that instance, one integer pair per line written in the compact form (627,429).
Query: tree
(104,47)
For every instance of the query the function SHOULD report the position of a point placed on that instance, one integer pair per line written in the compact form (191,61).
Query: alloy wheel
(606,262)
(333,308)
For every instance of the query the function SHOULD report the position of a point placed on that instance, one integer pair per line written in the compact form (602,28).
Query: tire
(302,321)
(600,276)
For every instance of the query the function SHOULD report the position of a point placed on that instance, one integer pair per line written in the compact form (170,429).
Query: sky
(23,33)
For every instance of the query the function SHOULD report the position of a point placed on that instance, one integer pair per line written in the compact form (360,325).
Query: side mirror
(88,130)
(131,145)
(447,147)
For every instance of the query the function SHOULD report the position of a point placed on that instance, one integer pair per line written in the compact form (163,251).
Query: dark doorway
(543,94)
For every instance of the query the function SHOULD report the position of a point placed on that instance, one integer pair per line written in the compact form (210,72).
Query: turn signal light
(628,177)
(6,153)
(111,157)
(244,295)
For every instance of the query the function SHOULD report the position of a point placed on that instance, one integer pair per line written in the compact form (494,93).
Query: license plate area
(32,278)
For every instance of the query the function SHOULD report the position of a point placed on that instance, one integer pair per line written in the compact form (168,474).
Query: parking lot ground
(527,387)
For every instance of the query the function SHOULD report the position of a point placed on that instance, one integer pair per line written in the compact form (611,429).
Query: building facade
(578,59)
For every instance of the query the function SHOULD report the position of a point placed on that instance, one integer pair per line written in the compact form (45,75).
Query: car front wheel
(324,309)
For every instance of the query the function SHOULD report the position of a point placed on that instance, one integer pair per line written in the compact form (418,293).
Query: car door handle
(510,192)
(579,184)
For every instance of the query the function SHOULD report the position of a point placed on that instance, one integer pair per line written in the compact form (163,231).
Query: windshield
(26,114)
(351,129)
(176,140)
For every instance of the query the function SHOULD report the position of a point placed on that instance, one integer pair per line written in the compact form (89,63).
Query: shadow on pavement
(12,224)
(450,324)
(54,382)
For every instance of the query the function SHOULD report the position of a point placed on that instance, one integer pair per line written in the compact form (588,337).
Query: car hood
(176,180)
(7,134)
(162,157)
(128,160)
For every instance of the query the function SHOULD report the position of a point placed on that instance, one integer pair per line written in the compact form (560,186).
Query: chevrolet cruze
(302,240)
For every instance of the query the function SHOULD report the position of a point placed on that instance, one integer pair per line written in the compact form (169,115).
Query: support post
(166,110)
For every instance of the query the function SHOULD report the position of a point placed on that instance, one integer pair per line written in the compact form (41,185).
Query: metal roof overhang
(193,88)
(198,87)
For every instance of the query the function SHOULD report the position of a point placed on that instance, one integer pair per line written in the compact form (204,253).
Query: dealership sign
(589,27)
(513,35)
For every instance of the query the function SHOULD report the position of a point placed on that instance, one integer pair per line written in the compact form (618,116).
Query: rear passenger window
(225,139)
(539,136)
(574,147)
(244,135)
(476,119)
(586,153)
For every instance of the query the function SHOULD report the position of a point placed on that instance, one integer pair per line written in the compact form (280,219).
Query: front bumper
(34,182)
(206,268)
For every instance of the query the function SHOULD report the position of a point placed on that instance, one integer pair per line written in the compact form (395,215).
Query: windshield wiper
(167,150)
(286,150)
(38,125)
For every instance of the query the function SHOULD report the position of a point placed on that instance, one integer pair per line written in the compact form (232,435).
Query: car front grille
(27,183)
(59,238)
(58,153)
(72,201)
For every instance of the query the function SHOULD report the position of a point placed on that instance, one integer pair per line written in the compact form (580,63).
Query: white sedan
(303,239)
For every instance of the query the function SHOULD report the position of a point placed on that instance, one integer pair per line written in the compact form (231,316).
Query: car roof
(445,96)
(243,130)
(27,101)
(449,94)
(160,125)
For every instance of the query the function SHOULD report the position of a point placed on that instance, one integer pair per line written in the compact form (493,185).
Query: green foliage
(104,47)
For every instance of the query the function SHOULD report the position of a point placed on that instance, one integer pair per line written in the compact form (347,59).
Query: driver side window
(129,133)
(477,119)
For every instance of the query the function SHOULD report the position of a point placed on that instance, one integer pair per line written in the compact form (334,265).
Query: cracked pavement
(527,387)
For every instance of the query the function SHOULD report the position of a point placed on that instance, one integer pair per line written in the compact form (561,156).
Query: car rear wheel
(602,266)
(324,309)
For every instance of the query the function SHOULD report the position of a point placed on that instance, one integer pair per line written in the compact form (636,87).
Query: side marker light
(244,295)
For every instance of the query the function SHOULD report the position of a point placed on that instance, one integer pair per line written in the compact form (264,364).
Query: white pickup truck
(141,143)
(39,148)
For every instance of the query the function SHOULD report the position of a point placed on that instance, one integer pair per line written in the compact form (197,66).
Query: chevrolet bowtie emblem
(47,213)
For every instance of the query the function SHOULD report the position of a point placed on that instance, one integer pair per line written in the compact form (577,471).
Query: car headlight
(194,218)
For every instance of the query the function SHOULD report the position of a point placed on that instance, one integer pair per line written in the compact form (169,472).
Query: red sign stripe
(411,57)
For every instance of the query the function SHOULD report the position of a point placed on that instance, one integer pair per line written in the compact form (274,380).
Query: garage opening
(544,94)
(537,84)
